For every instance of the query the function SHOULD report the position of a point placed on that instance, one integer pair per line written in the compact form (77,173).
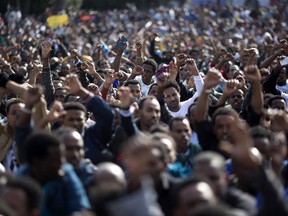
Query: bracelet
(27,111)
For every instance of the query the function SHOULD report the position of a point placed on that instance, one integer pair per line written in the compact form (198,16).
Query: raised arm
(231,86)
(213,78)
(252,74)
(46,73)
(118,57)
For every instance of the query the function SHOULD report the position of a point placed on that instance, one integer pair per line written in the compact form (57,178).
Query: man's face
(16,199)
(75,119)
(135,90)
(60,95)
(214,174)
(222,126)
(148,73)
(279,104)
(50,166)
(172,99)
(12,113)
(191,197)
(65,70)
(153,91)
(147,162)
(150,112)
(181,132)
(236,99)
(185,73)
(192,116)
(74,148)
(282,75)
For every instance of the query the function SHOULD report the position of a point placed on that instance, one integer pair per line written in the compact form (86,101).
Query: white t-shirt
(184,105)
(144,87)
(283,88)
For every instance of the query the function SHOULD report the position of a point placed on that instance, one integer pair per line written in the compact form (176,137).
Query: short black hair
(142,101)
(224,111)
(176,191)
(178,118)
(132,82)
(261,132)
(189,108)
(31,189)
(74,106)
(172,84)
(152,63)
(151,86)
(277,97)
(11,102)
(37,145)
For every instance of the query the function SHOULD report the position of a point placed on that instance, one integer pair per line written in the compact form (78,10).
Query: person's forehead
(148,66)
(170,90)
(16,106)
(134,86)
(184,123)
(74,113)
(151,103)
(224,117)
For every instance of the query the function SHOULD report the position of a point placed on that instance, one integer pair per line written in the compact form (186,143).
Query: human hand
(139,45)
(56,111)
(231,87)
(125,98)
(45,49)
(252,74)
(173,70)
(212,79)
(162,79)
(181,59)
(32,96)
(94,89)
(138,70)
(74,85)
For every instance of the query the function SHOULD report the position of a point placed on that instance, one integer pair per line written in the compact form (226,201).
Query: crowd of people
(173,112)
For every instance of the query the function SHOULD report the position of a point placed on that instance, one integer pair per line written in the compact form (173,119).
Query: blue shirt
(63,195)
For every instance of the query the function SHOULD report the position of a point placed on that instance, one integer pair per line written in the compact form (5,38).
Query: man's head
(191,115)
(144,157)
(236,100)
(277,102)
(149,110)
(172,96)
(262,139)
(12,108)
(211,166)
(45,154)
(60,94)
(181,132)
(65,69)
(222,120)
(169,145)
(189,195)
(282,76)
(22,195)
(103,64)
(149,67)
(75,116)
(74,145)
(153,89)
(134,87)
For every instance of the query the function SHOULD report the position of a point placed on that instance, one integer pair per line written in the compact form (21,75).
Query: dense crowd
(170,111)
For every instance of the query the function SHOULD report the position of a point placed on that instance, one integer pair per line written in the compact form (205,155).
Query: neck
(147,82)
(144,127)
